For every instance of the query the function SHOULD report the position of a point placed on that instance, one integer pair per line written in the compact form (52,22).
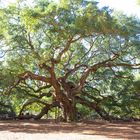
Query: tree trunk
(69,110)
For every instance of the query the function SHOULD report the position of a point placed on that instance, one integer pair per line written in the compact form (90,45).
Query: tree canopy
(69,55)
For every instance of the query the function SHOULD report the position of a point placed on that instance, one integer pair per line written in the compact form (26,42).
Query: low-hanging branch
(30,102)
(107,63)
(28,75)
(39,88)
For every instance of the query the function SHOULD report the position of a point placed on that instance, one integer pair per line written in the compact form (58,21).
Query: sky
(129,7)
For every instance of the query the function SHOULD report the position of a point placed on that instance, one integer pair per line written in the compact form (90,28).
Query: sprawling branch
(106,63)
(29,42)
(30,102)
(39,88)
(32,76)
(97,100)
(94,106)
(89,50)
(45,67)
(71,71)
(86,73)
(67,46)
(45,110)
(27,92)
(29,75)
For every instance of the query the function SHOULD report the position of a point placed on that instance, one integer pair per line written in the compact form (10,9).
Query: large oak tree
(71,49)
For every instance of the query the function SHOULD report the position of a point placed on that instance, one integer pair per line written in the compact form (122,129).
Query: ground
(44,130)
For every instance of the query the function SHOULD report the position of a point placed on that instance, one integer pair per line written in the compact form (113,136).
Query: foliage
(63,55)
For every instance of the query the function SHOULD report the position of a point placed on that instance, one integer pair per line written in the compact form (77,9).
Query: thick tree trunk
(69,108)
(69,112)
(67,100)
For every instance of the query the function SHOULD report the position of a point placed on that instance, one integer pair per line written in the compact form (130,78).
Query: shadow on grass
(122,130)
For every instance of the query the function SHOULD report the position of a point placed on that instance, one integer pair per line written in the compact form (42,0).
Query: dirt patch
(44,130)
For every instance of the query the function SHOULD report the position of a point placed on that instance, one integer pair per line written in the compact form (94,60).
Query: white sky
(129,7)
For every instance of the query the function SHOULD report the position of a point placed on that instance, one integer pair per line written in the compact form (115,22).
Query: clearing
(44,130)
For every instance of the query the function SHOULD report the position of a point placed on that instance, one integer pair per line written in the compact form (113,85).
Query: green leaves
(136,83)
(67,40)
(29,19)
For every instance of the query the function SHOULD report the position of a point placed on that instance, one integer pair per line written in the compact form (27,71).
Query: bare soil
(44,130)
